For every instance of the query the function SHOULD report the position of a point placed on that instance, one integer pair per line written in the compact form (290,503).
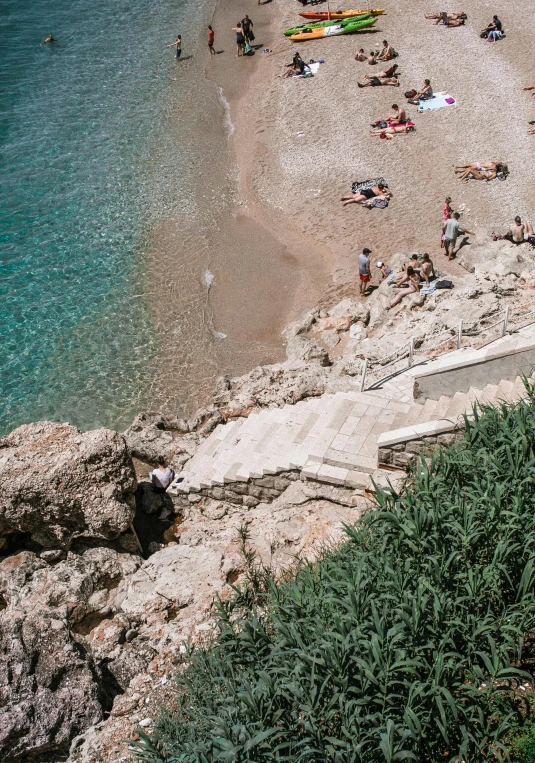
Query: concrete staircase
(330,439)
(334,438)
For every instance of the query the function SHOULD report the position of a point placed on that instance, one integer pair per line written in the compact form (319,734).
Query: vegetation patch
(410,641)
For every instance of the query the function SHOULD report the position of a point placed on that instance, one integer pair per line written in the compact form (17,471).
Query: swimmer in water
(49,38)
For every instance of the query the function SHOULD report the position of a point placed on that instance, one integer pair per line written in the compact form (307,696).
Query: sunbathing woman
(366,195)
(393,129)
(450,16)
(412,287)
(479,170)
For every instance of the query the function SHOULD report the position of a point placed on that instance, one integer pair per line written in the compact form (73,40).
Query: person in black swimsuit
(240,39)
(366,194)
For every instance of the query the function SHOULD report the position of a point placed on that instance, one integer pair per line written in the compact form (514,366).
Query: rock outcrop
(60,485)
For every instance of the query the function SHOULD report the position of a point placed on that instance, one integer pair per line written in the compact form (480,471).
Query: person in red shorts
(365,273)
(211,37)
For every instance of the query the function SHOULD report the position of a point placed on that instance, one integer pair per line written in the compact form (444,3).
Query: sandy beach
(279,154)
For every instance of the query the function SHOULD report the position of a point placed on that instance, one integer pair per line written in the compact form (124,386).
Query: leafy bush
(396,646)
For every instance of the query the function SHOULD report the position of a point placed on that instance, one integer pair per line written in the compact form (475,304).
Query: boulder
(352,307)
(304,348)
(153,435)
(302,323)
(60,485)
(48,693)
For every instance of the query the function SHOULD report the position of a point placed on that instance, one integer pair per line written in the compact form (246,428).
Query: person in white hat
(385,270)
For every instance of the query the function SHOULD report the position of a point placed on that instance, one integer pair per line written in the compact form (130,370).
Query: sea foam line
(229,124)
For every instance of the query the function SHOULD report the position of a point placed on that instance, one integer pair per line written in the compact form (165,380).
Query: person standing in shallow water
(178,43)
(240,39)
(211,38)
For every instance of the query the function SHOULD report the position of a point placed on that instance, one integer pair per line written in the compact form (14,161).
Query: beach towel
(428,289)
(363,185)
(438,101)
(310,69)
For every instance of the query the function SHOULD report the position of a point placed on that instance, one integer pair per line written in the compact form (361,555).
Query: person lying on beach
(533,94)
(449,16)
(520,232)
(366,195)
(480,170)
(387,53)
(388,77)
(412,288)
(393,130)
(48,38)
(531,132)
(360,55)
(427,269)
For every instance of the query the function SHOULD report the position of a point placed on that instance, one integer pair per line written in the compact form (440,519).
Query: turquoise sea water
(84,172)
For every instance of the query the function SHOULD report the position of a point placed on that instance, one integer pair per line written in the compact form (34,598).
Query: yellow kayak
(324,16)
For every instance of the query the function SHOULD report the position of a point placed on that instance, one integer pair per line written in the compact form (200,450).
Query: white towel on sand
(436,102)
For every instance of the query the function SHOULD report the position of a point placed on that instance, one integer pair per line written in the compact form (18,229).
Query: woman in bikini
(478,170)
(412,287)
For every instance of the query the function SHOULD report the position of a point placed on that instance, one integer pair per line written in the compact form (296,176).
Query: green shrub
(401,644)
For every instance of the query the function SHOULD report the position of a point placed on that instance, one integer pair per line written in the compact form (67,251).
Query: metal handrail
(457,336)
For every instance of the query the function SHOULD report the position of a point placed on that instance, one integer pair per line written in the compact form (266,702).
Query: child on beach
(211,37)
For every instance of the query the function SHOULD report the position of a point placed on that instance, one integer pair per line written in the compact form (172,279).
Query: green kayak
(354,25)
(320,24)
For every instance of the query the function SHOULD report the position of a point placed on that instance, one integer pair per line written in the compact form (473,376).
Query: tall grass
(396,645)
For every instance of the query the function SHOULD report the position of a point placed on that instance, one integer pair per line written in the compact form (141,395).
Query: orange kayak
(340,14)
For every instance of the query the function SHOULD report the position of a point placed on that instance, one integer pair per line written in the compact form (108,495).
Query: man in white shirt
(161,477)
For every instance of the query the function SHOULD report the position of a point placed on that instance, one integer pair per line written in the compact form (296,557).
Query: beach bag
(247,50)
(444,284)
(410,93)
(379,203)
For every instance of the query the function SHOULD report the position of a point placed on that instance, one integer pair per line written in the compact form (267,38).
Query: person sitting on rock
(161,477)
(385,270)
(427,269)
(412,287)
(520,232)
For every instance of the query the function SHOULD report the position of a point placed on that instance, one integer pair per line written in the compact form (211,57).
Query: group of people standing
(244,38)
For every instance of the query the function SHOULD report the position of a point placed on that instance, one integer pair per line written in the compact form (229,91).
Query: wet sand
(263,271)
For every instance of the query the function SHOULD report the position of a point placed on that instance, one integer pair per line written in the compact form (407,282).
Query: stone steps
(332,438)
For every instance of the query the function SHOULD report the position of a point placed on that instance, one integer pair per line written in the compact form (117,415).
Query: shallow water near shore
(89,165)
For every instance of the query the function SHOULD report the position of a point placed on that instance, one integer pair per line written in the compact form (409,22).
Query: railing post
(459,334)
(411,350)
(363,377)
(505,321)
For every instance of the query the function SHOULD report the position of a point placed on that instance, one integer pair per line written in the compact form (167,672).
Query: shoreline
(263,272)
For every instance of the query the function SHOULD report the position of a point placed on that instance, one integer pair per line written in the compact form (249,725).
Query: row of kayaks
(329,27)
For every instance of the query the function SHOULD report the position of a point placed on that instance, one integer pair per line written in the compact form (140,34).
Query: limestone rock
(48,693)
(59,484)
(153,435)
(304,348)
(352,307)
(302,323)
